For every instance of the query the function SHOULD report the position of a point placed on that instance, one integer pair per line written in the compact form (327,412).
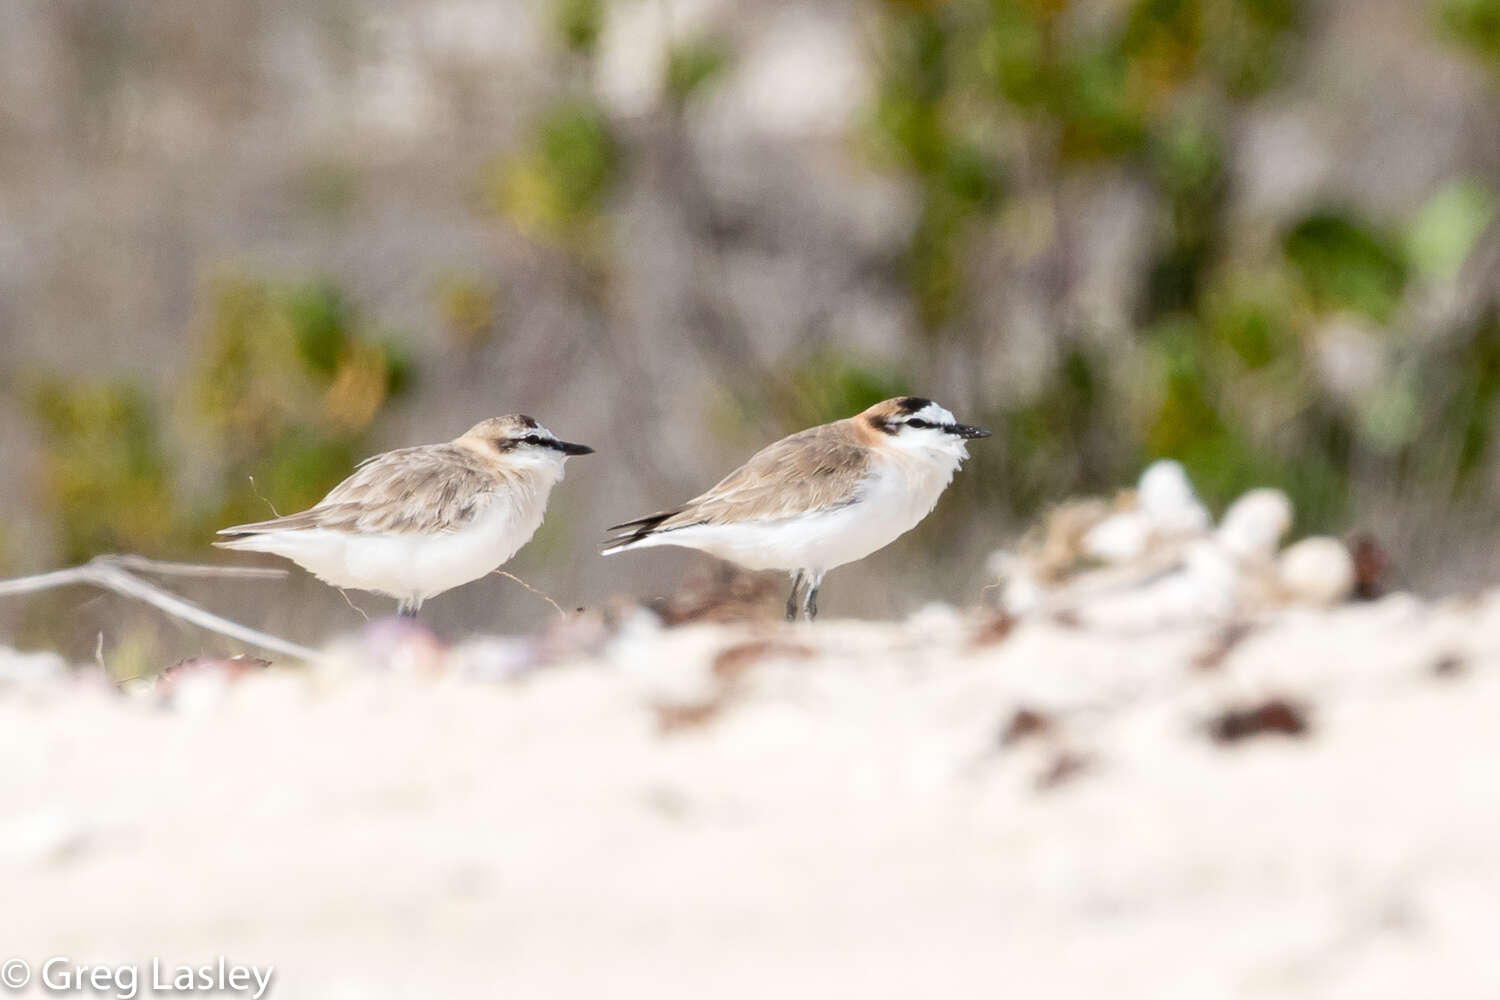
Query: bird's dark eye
(533,439)
(917,423)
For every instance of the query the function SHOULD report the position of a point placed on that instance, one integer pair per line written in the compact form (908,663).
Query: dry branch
(555,606)
(156,567)
(114,573)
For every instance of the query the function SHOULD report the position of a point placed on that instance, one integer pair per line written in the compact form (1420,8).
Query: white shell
(1317,570)
(1166,497)
(1254,524)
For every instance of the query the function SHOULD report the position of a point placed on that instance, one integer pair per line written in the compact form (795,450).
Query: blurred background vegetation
(244,245)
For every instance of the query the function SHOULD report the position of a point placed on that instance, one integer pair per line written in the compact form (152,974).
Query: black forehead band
(911,404)
(527,421)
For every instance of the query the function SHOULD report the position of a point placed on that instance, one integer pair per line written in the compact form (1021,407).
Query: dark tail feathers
(634,531)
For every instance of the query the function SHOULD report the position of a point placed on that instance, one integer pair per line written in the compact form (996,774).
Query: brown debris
(1224,641)
(1276,715)
(1372,565)
(1064,768)
(728,668)
(1449,665)
(230,669)
(1067,618)
(233,667)
(671,718)
(1026,722)
(995,627)
(724,593)
(732,661)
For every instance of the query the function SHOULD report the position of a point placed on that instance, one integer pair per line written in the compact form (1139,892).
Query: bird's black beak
(968,431)
(568,448)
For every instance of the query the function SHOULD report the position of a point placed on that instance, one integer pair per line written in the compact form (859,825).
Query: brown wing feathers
(428,489)
(817,469)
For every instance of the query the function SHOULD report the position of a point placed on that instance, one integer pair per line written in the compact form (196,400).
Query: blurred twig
(345,595)
(140,564)
(511,576)
(113,573)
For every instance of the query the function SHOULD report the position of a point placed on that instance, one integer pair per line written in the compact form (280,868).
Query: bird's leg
(408,608)
(793,601)
(810,599)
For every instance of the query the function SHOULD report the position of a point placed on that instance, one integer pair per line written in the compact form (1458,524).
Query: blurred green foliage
(1063,436)
(579,23)
(1476,23)
(1446,228)
(692,65)
(830,386)
(289,382)
(467,306)
(970,85)
(554,188)
(1343,263)
(989,106)
(105,473)
(988,103)
(286,384)
(1461,387)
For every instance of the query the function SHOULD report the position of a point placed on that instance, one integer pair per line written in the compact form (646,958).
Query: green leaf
(1345,264)
(1476,23)
(579,23)
(320,323)
(694,64)
(1447,227)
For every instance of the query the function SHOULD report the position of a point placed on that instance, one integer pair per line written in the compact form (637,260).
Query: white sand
(845,824)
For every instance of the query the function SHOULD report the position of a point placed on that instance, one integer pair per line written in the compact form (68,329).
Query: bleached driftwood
(117,573)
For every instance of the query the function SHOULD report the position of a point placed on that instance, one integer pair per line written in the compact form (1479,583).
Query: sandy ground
(736,811)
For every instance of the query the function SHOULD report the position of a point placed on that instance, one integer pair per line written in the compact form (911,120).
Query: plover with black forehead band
(820,498)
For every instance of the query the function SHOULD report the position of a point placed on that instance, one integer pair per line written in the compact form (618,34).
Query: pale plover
(415,522)
(820,498)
